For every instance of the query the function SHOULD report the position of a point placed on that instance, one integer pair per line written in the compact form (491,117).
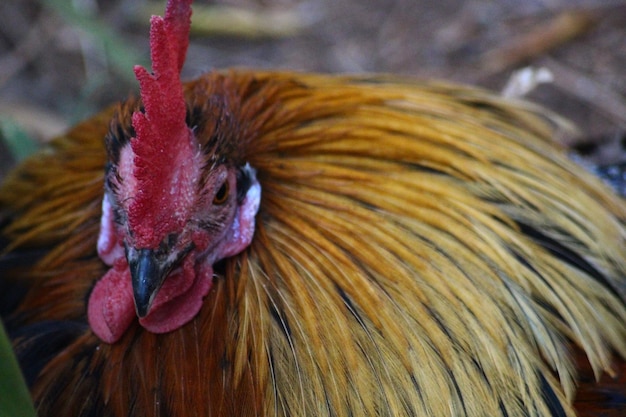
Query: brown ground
(57,66)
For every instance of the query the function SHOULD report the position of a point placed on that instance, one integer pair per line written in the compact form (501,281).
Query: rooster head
(171,206)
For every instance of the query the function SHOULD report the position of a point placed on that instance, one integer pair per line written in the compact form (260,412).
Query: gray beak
(147,274)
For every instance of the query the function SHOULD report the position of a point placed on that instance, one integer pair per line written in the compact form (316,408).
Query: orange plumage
(420,249)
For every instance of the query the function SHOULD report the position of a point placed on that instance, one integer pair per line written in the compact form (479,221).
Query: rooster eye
(222,194)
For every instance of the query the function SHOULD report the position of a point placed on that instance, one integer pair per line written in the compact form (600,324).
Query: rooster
(278,244)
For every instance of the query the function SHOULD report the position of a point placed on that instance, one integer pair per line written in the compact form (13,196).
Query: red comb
(163,139)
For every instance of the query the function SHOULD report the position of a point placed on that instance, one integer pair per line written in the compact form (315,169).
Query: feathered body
(421,249)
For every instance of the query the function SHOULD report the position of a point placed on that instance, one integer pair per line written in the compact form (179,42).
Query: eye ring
(222,194)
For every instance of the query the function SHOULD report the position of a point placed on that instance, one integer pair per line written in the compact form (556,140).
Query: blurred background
(62,60)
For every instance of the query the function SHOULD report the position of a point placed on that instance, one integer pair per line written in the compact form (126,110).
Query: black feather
(37,344)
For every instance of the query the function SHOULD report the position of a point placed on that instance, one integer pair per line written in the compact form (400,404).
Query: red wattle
(111,307)
(180,298)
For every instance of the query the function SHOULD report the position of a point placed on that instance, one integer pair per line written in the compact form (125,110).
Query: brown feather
(421,249)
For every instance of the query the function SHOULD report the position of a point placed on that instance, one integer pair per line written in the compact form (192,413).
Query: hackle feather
(421,249)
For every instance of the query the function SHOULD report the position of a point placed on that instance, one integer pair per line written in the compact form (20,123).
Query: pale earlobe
(242,229)
(109,246)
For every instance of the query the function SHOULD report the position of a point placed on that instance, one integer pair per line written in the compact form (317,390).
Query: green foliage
(14,396)
(19,142)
